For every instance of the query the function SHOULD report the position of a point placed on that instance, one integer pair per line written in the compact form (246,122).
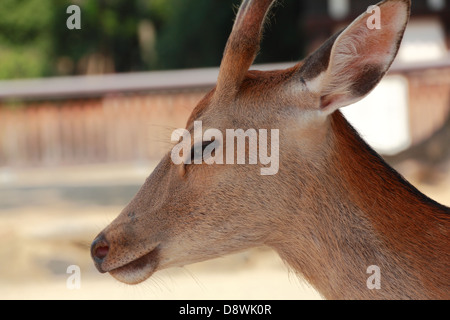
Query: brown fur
(334,208)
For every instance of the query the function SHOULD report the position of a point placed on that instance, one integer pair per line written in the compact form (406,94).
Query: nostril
(101,252)
(99,249)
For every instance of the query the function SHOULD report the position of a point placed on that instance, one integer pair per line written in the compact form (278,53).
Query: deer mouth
(138,270)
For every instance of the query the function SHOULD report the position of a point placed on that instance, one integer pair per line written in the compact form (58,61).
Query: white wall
(382,118)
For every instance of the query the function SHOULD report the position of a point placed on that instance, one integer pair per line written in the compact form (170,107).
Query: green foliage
(109,28)
(25,62)
(24,20)
(129,35)
(25,38)
(194,33)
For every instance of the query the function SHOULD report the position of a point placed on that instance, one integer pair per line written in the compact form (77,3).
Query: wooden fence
(111,129)
(82,122)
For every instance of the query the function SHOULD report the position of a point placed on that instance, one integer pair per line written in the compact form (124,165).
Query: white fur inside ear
(350,54)
(316,85)
(360,57)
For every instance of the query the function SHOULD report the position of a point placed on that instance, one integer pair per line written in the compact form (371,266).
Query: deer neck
(361,214)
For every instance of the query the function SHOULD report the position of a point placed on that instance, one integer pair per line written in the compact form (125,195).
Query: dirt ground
(48,217)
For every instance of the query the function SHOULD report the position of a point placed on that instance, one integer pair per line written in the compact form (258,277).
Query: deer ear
(351,63)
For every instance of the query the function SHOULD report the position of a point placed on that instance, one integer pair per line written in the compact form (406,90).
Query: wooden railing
(131,117)
(114,129)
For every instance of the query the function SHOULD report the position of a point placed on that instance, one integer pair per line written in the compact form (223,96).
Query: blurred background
(86,114)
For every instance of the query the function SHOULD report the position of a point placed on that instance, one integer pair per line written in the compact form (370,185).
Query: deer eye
(197,153)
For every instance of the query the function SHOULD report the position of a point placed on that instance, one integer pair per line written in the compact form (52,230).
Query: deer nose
(99,251)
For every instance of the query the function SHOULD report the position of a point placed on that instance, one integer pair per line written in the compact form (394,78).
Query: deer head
(186,213)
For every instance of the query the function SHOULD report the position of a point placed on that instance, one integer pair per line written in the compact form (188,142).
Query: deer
(334,208)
